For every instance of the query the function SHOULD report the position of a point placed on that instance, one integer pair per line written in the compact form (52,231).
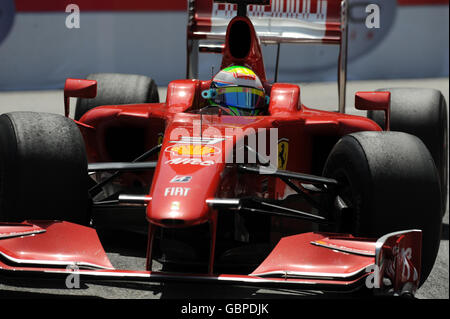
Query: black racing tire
(43,168)
(118,89)
(421,112)
(390,182)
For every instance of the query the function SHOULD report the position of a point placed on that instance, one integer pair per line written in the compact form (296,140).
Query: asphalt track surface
(130,254)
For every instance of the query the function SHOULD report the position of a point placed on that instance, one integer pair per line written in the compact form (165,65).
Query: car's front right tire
(43,168)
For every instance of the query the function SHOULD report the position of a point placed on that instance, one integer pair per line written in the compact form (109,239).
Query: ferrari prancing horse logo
(283,149)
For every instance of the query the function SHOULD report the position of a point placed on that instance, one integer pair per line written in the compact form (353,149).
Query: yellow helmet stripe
(239,90)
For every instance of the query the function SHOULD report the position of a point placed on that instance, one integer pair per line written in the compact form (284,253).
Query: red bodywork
(308,259)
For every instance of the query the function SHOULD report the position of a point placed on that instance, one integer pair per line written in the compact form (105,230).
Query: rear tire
(391,183)
(118,89)
(423,113)
(43,168)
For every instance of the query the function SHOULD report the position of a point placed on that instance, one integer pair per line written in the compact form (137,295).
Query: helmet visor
(242,97)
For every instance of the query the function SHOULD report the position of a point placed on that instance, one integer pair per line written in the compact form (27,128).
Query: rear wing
(283,21)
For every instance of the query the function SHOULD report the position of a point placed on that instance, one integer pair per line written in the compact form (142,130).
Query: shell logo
(193,150)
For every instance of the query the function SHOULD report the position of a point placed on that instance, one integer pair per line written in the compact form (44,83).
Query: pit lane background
(38,51)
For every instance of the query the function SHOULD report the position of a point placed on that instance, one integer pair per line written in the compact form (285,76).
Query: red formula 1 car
(285,196)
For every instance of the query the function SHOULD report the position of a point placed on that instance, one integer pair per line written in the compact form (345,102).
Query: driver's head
(239,90)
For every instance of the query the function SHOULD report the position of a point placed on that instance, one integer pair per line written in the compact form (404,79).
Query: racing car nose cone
(189,171)
(179,194)
(179,213)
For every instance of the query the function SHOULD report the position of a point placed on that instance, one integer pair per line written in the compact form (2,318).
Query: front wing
(308,261)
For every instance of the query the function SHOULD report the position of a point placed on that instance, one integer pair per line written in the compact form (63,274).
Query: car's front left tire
(390,182)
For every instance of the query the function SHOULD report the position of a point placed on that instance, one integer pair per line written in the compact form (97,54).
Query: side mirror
(78,88)
(379,101)
(284,98)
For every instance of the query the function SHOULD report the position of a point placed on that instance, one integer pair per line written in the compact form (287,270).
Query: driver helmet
(239,90)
